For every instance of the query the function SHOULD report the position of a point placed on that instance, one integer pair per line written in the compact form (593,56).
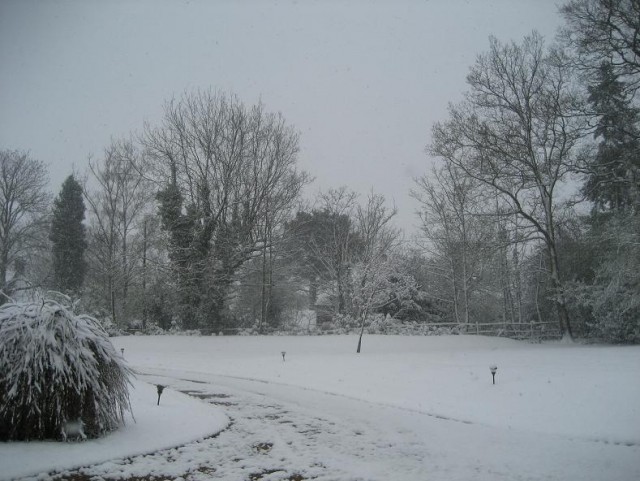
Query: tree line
(508,235)
(529,215)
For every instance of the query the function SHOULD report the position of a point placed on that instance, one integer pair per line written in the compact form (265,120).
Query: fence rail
(518,330)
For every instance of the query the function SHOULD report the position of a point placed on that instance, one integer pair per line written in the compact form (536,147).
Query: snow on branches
(58,369)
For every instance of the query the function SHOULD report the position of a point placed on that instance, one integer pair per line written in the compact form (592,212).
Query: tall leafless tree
(118,196)
(226,172)
(23,206)
(340,244)
(517,132)
(451,202)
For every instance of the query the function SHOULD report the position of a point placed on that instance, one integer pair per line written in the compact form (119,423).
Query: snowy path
(281,432)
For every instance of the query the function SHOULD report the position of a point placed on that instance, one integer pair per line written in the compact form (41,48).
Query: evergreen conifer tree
(68,237)
(614,171)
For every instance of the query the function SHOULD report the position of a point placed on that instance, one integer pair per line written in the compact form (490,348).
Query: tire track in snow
(442,417)
(265,440)
(280,436)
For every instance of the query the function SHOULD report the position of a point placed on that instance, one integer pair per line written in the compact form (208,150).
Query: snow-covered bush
(176,329)
(58,370)
(612,296)
(154,330)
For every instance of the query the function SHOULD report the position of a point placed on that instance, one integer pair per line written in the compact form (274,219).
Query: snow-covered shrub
(345,322)
(58,369)
(177,330)
(114,331)
(154,330)
(612,296)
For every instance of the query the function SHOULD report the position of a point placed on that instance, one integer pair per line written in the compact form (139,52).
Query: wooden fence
(516,330)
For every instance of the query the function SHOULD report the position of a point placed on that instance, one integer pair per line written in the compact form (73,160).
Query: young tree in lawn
(68,237)
(516,132)
(227,169)
(375,279)
(23,205)
(378,284)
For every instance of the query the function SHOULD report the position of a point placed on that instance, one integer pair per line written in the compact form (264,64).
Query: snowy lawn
(178,419)
(577,391)
(556,412)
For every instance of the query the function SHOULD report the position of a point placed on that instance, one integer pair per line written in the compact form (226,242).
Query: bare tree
(226,171)
(375,279)
(116,206)
(451,204)
(341,243)
(23,206)
(516,132)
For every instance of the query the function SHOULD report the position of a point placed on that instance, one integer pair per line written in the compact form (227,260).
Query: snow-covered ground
(590,392)
(176,420)
(406,408)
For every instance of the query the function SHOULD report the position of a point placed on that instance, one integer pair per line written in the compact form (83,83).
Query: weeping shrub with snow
(59,374)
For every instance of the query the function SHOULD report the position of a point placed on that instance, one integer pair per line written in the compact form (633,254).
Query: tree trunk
(313,291)
(465,286)
(4,260)
(454,285)
(518,283)
(554,271)
(112,300)
(465,280)
(339,281)
(263,290)
(125,279)
(144,275)
(559,299)
(364,317)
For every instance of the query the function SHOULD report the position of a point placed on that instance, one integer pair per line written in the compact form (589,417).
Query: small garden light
(283,354)
(493,368)
(122,351)
(160,389)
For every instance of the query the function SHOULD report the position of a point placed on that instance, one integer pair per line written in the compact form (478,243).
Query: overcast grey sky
(363,81)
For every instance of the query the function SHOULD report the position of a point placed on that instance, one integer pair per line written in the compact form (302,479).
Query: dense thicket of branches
(496,226)
(227,172)
(118,206)
(605,30)
(516,134)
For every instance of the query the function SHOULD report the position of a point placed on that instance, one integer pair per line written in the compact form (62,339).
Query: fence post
(531,335)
